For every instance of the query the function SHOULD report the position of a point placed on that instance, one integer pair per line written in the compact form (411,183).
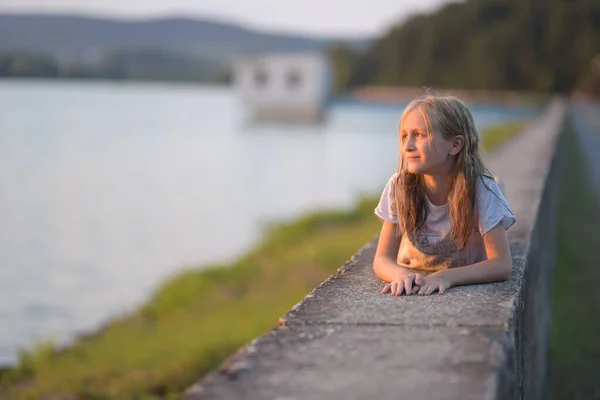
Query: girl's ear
(457,144)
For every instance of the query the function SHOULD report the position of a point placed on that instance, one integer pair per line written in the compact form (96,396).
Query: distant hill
(75,38)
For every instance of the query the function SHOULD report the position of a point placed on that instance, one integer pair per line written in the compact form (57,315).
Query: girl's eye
(417,134)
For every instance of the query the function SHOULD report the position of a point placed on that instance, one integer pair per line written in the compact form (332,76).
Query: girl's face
(424,152)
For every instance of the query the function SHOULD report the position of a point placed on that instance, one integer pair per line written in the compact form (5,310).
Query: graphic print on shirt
(431,252)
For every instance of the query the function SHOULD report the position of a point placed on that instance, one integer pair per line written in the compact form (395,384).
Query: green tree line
(537,45)
(138,63)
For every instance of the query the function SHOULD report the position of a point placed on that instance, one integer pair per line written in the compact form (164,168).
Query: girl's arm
(385,265)
(496,268)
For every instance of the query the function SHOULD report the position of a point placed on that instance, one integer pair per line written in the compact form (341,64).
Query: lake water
(106,189)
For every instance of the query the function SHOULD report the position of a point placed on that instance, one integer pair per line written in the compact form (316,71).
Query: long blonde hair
(448,116)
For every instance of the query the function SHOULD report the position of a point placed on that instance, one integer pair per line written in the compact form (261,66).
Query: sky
(329,18)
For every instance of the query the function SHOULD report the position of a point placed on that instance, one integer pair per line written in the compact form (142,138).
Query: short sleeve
(386,210)
(492,206)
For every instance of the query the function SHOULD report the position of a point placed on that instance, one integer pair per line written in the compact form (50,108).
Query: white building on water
(284,86)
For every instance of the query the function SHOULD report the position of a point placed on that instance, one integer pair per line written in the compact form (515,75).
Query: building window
(260,78)
(293,79)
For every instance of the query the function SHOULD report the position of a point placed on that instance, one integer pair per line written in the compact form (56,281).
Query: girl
(444,217)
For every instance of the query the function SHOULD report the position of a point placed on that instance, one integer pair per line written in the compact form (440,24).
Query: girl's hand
(426,285)
(404,283)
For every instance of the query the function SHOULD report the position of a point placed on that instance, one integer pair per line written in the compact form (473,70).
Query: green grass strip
(574,349)
(496,135)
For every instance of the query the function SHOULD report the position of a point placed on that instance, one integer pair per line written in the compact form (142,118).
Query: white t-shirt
(431,248)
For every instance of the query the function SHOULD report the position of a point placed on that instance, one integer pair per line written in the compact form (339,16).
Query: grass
(200,317)
(196,319)
(574,349)
(496,135)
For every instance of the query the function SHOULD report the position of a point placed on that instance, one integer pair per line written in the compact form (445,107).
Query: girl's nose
(409,144)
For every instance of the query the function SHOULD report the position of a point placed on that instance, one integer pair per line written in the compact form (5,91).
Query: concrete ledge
(346,340)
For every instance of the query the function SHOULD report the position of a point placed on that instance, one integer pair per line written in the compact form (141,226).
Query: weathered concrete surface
(349,361)
(346,340)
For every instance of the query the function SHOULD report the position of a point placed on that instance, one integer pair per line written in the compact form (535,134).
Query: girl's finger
(419,280)
(442,289)
(423,289)
(430,290)
(408,285)
(399,288)
(394,288)
(415,289)
(386,288)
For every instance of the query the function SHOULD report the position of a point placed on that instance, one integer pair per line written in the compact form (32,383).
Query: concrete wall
(346,340)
